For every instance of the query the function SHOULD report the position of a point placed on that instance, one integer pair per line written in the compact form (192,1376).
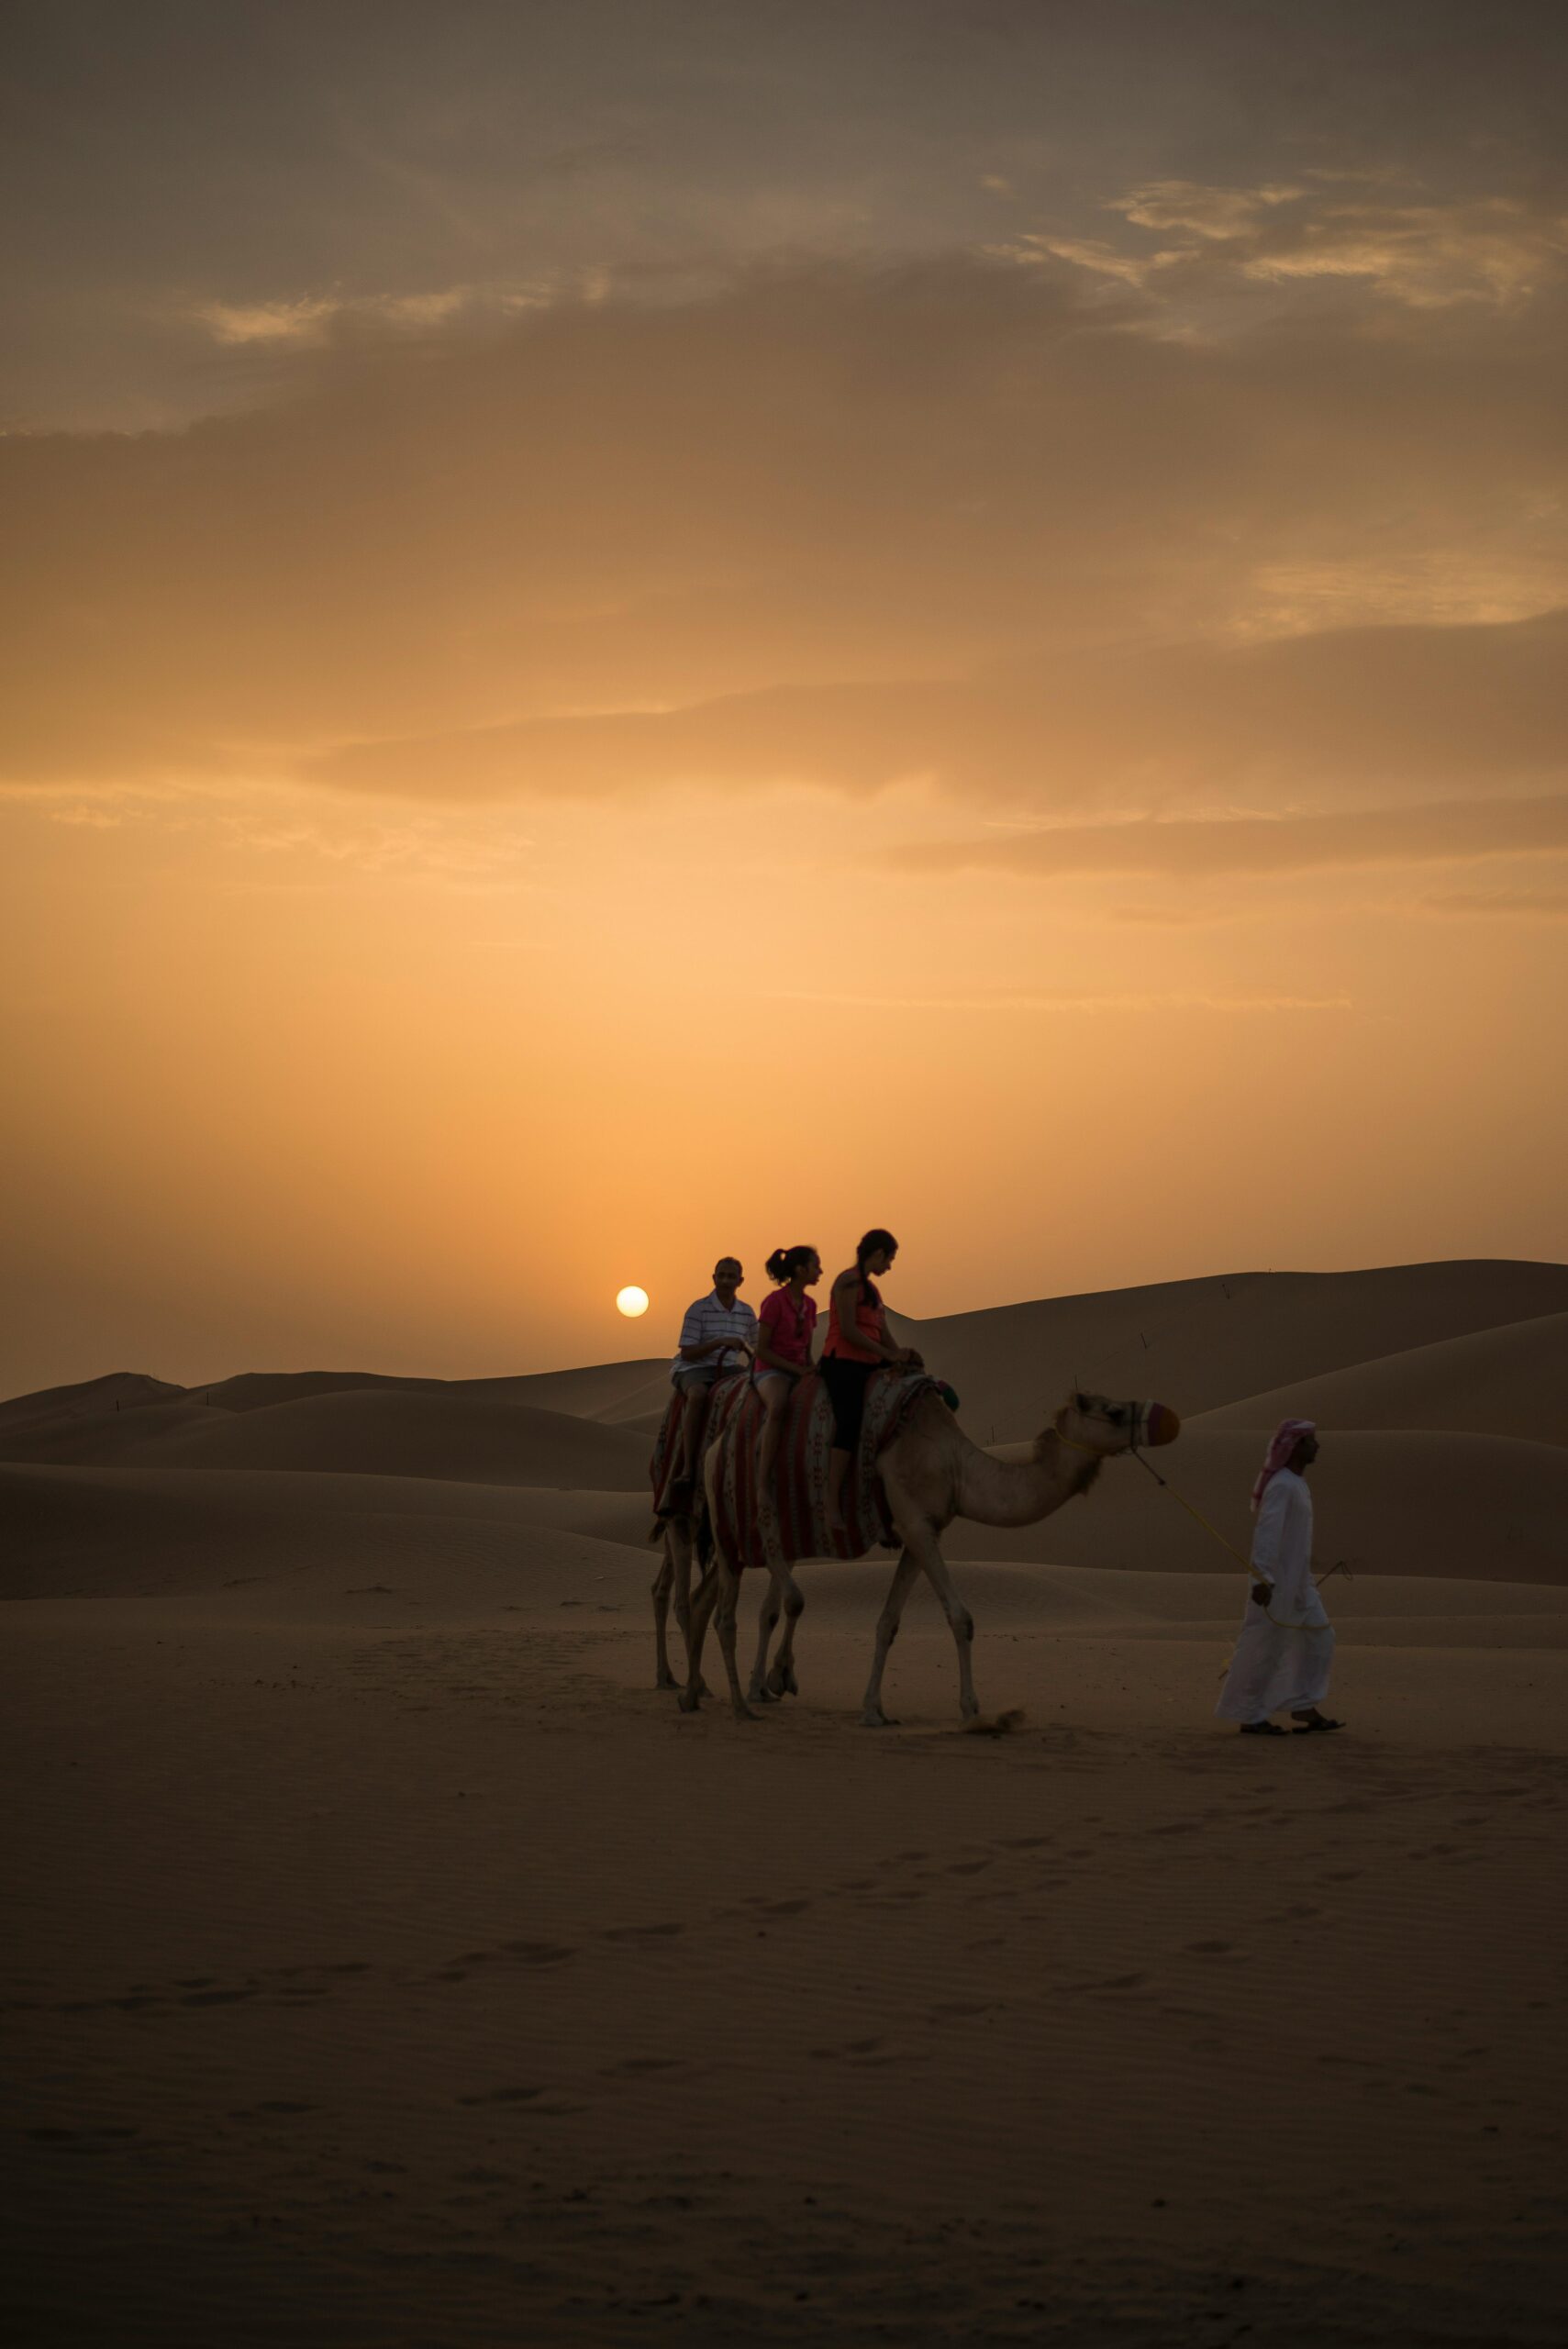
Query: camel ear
(1080,1401)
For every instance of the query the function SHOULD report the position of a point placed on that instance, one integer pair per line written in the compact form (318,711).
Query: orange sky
(662,691)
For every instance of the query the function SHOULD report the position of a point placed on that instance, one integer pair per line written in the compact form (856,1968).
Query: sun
(631,1302)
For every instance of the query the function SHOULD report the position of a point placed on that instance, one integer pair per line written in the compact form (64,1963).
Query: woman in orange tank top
(856,1345)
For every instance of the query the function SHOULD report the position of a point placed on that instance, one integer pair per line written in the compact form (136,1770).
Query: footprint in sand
(502,2096)
(633,2064)
(852,2050)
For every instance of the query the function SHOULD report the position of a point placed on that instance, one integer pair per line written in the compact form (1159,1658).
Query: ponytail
(785,1263)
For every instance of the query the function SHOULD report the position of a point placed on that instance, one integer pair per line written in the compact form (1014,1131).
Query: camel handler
(718,1334)
(1286,1648)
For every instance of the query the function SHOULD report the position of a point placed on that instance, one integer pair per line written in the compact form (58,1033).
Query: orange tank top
(870,1316)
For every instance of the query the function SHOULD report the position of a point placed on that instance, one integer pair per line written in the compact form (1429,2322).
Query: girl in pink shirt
(784,1345)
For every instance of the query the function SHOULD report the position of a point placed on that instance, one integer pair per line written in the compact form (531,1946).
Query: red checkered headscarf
(1282,1443)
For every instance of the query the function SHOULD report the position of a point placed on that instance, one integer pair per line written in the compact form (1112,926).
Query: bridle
(1138,1418)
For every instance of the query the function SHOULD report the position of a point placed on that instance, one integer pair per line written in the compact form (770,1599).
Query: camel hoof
(690,1700)
(666,1680)
(781,1681)
(759,1693)
(744,1713)
(877,1720)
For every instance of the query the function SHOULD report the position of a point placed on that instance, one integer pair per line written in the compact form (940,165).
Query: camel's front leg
(904,1575)
(935,1567)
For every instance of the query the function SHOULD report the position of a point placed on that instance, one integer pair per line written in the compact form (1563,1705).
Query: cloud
(1065,1000)
(1415,251)
(1446,832)
(1220,214)
(1385,707)
(320,319)
(1500,905)
(835,522)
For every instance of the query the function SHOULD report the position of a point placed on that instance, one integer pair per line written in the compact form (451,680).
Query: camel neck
(1007,1492)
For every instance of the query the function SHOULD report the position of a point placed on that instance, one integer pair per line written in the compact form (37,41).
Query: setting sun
(631,1302)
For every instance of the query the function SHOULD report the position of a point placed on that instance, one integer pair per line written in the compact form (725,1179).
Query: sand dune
(372,1432)
(139,1531)
(99,1438)
(1394,1503)
(89,1398)
(605,1390)
(1511,1381)
(1215,1342)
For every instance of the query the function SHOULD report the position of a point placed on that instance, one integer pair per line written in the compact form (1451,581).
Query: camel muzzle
(1157,1424)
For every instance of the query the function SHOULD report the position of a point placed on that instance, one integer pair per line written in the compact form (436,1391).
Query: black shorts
(846,1384)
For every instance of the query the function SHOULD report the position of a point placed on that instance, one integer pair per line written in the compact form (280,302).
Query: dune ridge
(1511,1381)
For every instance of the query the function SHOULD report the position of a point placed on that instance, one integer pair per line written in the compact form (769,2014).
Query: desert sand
(391,1964)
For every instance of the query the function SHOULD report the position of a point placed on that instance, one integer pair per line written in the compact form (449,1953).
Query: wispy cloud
(1500,905)
(1451,832)
(1069,1000)
(1420,253)
(319,317)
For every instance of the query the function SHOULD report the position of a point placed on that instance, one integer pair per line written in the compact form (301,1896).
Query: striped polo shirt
(707,1319)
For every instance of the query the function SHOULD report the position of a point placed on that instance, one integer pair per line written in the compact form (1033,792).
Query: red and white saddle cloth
(666,1443)
(801,1486)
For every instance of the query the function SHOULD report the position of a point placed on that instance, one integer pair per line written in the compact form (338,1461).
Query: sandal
(1319,1721)
(1261,1729)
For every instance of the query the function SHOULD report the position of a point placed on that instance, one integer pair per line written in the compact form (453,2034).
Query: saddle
(800,1491)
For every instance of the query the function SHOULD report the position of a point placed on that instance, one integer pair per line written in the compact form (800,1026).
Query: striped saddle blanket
(667,1445)
(800,1491)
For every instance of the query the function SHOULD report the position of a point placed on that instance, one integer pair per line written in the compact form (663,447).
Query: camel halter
(1165,1484)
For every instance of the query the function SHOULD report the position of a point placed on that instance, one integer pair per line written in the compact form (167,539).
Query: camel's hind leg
(664,1582)
(782,1681)
(729,1593)
(714,1600)
(701,1616)
(904,1579)
(784,1596)
(768,1616)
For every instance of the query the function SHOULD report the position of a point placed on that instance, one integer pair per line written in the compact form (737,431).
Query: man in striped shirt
(719,1333)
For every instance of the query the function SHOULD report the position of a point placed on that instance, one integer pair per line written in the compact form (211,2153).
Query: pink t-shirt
(783,1330)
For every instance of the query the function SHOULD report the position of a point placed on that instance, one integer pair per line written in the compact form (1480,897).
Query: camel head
(1096,1424)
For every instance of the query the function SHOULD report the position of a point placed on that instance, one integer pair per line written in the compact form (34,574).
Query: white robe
(1285,1651)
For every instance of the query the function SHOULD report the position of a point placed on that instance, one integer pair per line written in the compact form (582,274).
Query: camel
(678,1532)
(931,1473)
(680,1538)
